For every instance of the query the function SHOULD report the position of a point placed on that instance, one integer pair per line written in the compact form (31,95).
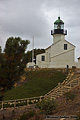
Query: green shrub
(73,67)
(22,103)
(78,117)
(8,105)
(46,106)
(28,115)
(1,97)
(69,96)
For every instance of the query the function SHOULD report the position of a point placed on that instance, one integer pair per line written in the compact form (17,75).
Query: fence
(68,84)
(53,69)
(19,102)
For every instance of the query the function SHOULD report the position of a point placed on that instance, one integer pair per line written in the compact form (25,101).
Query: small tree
(12,62)
(78,117)
(28,55)
(69,96)
(0,49)
(28,115)
(46,106)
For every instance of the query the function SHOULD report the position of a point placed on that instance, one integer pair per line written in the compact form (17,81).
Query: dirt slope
(64,109)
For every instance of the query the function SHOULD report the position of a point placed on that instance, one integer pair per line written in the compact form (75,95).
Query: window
(43,58)
(65,46)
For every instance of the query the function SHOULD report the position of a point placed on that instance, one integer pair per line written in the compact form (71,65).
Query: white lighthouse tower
(58,32)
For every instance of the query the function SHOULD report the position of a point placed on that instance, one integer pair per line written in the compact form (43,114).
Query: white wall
(57,37)
(56,56)
(58,48)
(67,56)
(79,60)
(40,63)
(57,53)
(60,64)
(77,64)
(30,64)
(48,53)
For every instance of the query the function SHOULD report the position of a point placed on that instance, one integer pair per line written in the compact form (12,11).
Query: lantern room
(59,24)
(58,27)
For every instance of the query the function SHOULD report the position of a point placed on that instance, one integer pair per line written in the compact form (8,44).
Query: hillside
(37,83)
(64,109)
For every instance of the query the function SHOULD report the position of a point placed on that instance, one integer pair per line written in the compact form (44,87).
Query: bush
(73,68)
(1,97)
(78,116)
(28,115)
(69,96)
(46,106)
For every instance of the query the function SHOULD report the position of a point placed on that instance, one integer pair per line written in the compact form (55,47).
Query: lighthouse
(61,53)
(58,32)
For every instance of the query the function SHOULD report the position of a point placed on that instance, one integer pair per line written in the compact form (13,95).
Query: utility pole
(33,49)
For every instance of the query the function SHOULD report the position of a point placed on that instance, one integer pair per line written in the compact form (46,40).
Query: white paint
(57,37)
(30,65)
(56,56)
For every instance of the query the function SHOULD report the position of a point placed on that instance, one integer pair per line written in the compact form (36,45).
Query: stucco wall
(61,64)
(57,37)
(77,64)
(40,63)
(56,56)
(57,53)
(59,48)
(67,56)
(79,60)
(48,53)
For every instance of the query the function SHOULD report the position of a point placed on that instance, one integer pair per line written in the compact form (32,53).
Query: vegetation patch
(26,116)
(69,96)
(46,106)
(38,83)
(78,117)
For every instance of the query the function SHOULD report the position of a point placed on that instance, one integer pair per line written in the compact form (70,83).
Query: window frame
(43,58)
(65,46)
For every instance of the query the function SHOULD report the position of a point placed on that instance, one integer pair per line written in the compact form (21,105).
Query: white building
(61,53)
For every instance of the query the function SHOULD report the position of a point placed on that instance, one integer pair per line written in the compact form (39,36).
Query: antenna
(33,49)
(59,12)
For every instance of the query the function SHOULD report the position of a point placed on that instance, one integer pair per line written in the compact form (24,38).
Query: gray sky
(25,18)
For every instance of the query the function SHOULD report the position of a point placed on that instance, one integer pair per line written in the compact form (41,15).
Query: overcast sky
(25,18)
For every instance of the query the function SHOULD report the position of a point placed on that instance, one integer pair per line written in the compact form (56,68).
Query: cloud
(26,18)
(23,17)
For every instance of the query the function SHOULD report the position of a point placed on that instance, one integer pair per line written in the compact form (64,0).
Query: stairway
(71,81)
